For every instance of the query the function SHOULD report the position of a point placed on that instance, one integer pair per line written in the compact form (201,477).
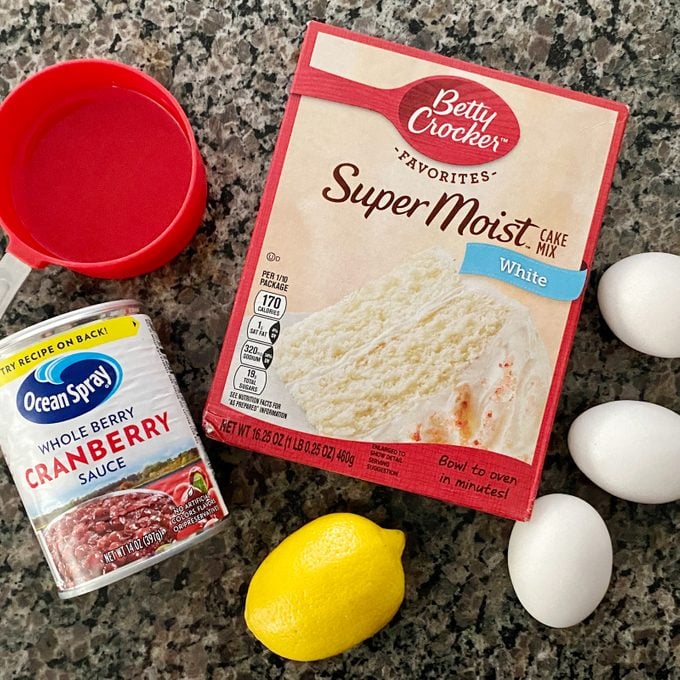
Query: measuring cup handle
(13,273)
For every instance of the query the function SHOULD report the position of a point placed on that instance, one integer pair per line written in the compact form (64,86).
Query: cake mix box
(416,272)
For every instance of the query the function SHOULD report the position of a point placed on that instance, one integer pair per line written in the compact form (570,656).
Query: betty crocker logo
(457,121)
(446,118)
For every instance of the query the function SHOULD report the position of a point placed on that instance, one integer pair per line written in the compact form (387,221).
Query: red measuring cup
(99,173)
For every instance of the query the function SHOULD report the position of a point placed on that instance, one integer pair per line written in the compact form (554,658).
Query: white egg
(560,561)
(630,449)
(639,298)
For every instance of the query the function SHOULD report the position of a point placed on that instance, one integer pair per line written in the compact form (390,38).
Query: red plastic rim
(101,173)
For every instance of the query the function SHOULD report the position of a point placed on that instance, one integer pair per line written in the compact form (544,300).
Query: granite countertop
(230,65)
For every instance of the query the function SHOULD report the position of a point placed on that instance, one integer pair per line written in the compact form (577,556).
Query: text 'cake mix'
(416,272)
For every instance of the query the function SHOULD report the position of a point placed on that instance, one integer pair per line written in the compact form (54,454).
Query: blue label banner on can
(524,272)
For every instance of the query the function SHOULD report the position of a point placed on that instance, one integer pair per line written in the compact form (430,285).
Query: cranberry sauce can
(102,447)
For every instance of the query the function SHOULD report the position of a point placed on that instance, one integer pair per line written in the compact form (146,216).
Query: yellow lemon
(327,587)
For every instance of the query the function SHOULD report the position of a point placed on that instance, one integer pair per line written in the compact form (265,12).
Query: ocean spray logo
(66,387)
(457,121)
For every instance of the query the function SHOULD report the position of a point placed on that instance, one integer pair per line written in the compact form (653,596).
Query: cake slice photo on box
(421,354)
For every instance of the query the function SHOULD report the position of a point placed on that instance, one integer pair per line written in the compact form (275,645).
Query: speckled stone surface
(230,65)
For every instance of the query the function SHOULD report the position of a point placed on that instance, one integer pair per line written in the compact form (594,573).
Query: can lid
(100,173)
(63,322)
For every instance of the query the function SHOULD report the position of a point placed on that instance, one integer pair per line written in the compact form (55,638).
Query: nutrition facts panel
(257,351)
